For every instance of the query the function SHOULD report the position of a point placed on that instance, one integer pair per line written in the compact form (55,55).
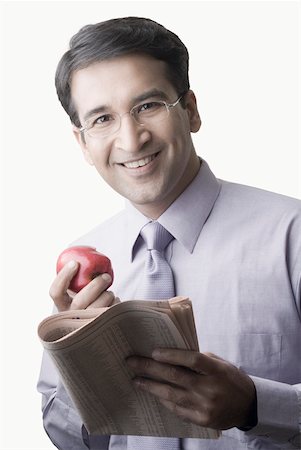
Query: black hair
(116,37)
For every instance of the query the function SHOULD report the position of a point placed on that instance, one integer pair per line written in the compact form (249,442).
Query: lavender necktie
(158,284)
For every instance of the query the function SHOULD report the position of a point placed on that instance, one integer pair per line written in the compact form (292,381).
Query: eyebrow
(157,93)
(150,94)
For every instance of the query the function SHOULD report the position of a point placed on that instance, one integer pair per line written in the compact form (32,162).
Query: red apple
(91,264)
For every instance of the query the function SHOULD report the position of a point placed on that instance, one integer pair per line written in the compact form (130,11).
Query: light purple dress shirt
(237,255)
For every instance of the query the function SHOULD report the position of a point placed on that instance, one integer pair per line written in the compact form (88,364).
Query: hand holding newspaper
(89,348)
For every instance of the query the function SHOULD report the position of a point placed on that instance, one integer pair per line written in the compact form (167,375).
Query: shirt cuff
(278,412)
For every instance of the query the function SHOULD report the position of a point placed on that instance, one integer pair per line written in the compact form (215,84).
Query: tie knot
(156,236)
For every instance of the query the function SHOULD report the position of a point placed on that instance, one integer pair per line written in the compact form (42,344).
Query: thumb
(213,355)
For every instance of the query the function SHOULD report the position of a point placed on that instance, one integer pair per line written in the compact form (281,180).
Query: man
(235,252)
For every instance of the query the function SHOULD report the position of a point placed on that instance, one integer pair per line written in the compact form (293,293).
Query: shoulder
(264,223)
(265,220)
(255,214)
(258,202)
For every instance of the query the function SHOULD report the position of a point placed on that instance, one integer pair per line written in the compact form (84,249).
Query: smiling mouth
(140,162)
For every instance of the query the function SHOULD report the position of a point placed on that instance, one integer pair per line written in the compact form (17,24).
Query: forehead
(116,82)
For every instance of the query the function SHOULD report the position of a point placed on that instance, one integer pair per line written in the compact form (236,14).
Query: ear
(83,145)
(192,110)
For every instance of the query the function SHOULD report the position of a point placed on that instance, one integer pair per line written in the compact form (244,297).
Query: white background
(244,71)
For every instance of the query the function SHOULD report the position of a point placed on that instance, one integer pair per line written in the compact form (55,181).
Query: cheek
(99,156)
(180,122)
(179,135)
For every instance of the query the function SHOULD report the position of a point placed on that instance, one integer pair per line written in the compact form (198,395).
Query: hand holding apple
(91,264)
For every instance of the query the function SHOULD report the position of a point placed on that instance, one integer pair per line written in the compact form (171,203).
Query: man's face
(164,150)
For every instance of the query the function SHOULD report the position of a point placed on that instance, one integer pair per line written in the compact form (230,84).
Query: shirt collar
(185,217)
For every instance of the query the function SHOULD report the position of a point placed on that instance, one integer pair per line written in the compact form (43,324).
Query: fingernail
(139,382)
(156,354)
(106,277)
(72,264)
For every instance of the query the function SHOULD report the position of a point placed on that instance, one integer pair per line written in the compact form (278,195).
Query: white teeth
(139,163)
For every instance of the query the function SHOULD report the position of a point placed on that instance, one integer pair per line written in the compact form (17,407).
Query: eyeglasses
(145,114)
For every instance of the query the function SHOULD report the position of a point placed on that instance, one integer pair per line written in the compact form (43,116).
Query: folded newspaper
(89,348)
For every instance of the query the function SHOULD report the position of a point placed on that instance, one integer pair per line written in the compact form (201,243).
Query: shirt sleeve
(61,420)
(279,413)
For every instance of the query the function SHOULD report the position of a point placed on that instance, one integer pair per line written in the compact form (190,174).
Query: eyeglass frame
(167,105)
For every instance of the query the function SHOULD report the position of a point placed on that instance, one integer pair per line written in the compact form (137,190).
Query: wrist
(251,416)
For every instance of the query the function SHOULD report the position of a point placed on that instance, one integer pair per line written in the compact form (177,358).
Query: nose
(131,136)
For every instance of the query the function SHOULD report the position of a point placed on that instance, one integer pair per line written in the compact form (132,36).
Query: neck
(154,211)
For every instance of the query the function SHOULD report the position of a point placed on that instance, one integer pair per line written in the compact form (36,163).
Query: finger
(101,303)
(91,292)
(116,300)
(166,393)
(199,362)
(160,371)
(106,299)
(193,415)
(58,289)
(179,401)
(213,355)
(180,411)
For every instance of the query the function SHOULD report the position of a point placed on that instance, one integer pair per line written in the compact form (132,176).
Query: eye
(149,107)
(102,120)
